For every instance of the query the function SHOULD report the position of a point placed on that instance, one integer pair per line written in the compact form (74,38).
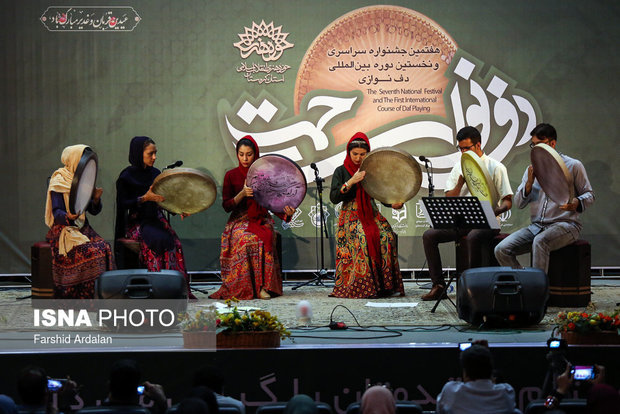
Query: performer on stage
(138,217)
(468,139)
(553,226)
(366,255)
(79,254)
(249,263)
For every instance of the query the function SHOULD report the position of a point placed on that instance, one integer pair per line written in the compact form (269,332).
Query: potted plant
(589,328)
(199,329)
(248,329)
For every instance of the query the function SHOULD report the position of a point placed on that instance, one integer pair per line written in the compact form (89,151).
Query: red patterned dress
(358,275)
(247,262)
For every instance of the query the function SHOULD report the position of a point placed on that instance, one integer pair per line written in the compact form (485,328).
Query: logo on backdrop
(267,42)
(295,221)
(315,217)
(90,19)
(418,88)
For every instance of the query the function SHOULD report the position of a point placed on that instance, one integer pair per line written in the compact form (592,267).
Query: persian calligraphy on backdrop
(90,19)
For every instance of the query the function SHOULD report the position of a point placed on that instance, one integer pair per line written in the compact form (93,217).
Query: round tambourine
(186,190)
(392,175)
(83,183)
(552,174)
(277,182)
(477,178)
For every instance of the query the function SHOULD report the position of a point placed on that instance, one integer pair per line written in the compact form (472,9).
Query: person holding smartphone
(601,398)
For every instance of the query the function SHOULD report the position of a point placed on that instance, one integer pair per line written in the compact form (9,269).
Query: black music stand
(322,273)
(457,213)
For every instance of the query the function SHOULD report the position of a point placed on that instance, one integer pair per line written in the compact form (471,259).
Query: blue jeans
(541,242)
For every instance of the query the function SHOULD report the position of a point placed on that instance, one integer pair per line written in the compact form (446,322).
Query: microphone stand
(429,174)
(322,273)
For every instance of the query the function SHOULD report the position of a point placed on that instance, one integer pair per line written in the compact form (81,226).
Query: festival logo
(295,221)
(400,215)
(398,76)
(315,217)
(503,219)
(90,19)
(268,42)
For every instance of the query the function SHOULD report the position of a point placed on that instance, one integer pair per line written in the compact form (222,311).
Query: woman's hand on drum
(247,191)
(397,206)
(357,177)
(97,194)
(151,196)
(289,211)
(71,216)
(183,215)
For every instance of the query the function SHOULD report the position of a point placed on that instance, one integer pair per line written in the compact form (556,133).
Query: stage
(404,344)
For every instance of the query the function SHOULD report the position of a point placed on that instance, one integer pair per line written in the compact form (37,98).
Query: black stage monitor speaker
(141,284)
(502,296)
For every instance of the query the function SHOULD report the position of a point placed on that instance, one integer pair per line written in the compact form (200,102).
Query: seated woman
(366,256)
(79,254)
(248,260)
(138,217)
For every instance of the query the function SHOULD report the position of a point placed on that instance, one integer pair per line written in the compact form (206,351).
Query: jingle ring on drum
(185,190)
(277,182)
(392,175)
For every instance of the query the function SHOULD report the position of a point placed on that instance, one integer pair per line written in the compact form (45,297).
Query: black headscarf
(133,182)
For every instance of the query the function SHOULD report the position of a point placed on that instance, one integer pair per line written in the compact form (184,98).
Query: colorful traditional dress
(366,253)
(79,254)
(160,247)
(248,258)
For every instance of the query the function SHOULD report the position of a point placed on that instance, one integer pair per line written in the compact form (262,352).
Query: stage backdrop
(301,77)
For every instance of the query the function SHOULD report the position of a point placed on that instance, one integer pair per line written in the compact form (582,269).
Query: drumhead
(552,174)
(477,178)
(277,182)
(83,182)
(186,190)
(392,175)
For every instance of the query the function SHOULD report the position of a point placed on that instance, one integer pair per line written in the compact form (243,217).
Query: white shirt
(497,171)
(475,397)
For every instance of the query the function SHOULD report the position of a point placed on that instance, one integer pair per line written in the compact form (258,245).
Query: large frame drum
(277,182)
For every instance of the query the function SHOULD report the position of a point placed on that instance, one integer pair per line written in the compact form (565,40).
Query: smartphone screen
(140,389)
(464,345)
(54,384)
(582,372)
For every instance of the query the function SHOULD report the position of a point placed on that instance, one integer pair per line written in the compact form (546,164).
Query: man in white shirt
(477,393)
(468,139)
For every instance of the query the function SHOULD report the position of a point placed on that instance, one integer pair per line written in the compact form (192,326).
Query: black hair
(32,385)
(358,143)
(124,380)
(247,143)
(545,131)
(193,405)
(469,132)
(207,395)
(211,377)
(477,362)
(148,142)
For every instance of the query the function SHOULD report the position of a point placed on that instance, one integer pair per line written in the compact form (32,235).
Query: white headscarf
(60,182)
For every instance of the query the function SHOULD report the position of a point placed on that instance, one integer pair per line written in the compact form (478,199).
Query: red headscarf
(364,206)
(256,213)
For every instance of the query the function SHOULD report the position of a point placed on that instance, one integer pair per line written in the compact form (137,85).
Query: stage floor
(395,321)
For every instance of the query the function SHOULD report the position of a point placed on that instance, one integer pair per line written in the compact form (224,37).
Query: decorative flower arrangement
(584,322)
(255,321)
(202,321)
